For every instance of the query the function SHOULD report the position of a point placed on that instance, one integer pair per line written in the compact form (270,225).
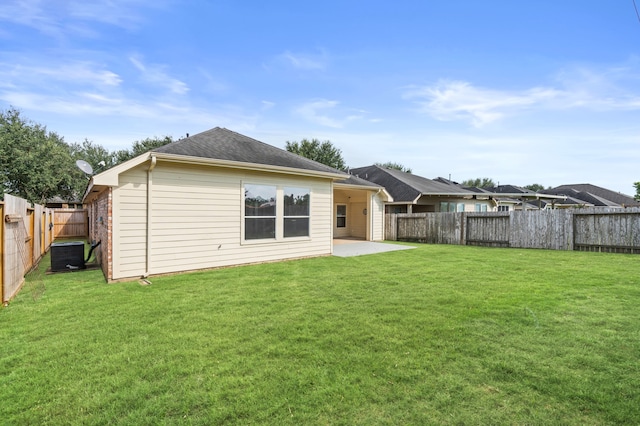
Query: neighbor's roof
(593,194)
(406,186)
(223,144)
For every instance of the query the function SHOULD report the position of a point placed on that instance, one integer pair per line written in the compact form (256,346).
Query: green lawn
(434,335)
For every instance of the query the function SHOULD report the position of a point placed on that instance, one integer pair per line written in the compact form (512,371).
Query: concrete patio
(354,247)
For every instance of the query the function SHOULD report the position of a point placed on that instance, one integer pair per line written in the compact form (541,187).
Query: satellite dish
(85,167)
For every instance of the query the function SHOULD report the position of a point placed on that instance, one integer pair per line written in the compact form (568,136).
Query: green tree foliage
(394,166)
(38,165)
(479,183)
(322,152)
(96,155)
(535,187)
(140,147)
(637,185)
(35,164)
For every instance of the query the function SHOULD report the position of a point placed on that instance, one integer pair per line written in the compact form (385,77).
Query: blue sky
(541,92)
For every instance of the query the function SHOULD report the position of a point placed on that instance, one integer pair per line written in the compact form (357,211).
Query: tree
(637,185)
(394,166)
(535,187)
(35,164)
(96,155)
(140,147)
(479,183)
(322,152)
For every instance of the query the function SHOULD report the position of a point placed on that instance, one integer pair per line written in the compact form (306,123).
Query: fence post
(1,252)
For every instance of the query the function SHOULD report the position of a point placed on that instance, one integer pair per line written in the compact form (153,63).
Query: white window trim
(280,238)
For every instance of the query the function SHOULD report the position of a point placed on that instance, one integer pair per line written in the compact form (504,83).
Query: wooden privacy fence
(70,223)
(606,230)
(26,234)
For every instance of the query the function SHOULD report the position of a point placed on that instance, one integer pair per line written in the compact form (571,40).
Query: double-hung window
(296,212)
(341,216)
(260,207)
(276,212)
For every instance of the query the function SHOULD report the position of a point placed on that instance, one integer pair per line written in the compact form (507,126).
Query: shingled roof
(592,194)
(223,144)
(406,186)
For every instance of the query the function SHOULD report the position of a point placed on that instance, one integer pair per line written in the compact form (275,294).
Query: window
(341,216)
(296,212)
(451,207)
(481,207)
(503,208)
(259,212)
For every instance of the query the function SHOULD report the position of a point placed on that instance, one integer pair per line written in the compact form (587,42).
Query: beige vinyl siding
(359,220)
(197,219)
(130,224)
(377,216)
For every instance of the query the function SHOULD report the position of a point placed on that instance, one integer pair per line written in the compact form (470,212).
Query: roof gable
(226,145)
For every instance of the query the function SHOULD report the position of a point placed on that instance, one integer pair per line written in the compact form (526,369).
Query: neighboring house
(587,195)
(512,197)
(416,194)
(60,203)
(507,198)
(219,198)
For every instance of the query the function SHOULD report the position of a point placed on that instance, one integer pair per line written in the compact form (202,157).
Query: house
(511,197)
(219,198)
(587,195)
(416,194)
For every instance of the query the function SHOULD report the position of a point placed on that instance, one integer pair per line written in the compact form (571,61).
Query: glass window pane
(259,200)
(258,228)
(296,201)
(341,216)
(296,227)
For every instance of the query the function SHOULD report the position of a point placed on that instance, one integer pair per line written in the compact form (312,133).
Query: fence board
(488,229)
(611,230)
(70,223)
(22,242)
(2,251)
(617,232)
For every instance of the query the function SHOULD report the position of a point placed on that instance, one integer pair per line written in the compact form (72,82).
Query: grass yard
(434,335)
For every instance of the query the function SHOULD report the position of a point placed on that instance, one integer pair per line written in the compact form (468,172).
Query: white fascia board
(534,196)
(110,177)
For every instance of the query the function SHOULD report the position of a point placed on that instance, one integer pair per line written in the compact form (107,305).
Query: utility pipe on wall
(149,196)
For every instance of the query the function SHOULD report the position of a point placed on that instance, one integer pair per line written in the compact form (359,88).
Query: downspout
(149,193)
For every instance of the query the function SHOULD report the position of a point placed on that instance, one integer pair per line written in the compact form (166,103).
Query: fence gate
(70,223)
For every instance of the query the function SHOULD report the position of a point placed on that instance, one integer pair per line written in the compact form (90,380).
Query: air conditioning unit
(67,256)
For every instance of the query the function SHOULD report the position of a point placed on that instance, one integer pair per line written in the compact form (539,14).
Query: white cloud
(305,61)
(57,18)
(155,75)
(578,87)
(455,100)
(266,105)
(317,112)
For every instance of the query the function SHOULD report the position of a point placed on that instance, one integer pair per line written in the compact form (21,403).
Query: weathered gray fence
(25,235)
(573,229)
